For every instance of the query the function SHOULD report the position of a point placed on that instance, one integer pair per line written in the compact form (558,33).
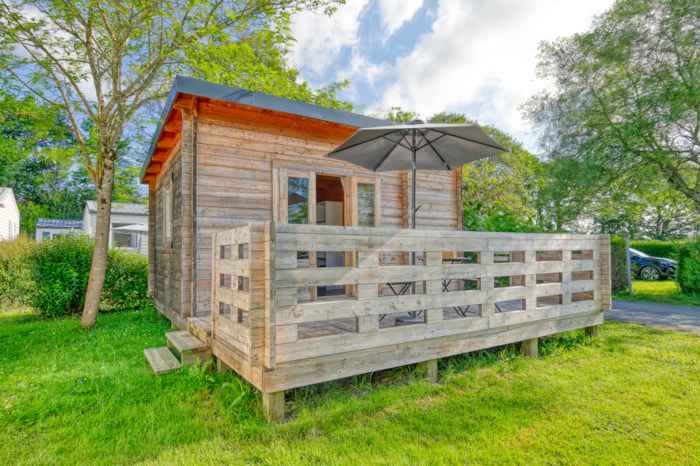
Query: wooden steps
(189,347)
(200,327)
(182,345)
(162,360)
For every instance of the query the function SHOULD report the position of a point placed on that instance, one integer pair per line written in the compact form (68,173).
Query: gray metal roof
(197,87)
(121,208)
(58,223)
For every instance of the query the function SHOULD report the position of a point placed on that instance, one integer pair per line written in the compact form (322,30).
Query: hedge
(16,283)
(52,277)
(688,272)
(618,264)
(669,249)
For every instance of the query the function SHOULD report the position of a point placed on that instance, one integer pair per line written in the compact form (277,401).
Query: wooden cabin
(300,264)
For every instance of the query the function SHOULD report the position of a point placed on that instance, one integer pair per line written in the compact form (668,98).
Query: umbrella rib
(497,146)
(386,156)
(430,143)
(338,149)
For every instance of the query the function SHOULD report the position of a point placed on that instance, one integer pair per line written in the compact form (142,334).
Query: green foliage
(618,264)
(259,62)
(60,269)
(626,95)
(397,115)
(688,273)
(669,249)
(126,282)
(497,192)
(51,277)
(16,282)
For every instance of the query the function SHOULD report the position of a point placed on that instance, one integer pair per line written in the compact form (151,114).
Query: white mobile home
(9,215)
(50,228)
(129,228)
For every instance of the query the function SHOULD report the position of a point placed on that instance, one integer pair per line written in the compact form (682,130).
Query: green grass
(667,292)
(88,397)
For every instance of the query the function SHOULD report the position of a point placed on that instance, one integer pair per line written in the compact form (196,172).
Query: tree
(497,193)
(36,160)
(260,64)
(103,60)
(627,93)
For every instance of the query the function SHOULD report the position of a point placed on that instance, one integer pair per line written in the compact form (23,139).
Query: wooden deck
(467,291)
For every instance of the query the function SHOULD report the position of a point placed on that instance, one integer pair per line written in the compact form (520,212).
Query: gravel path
(686,318)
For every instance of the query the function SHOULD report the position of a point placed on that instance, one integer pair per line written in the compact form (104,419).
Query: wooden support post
(221,366)
(530,348)
(274,406)
(429,369)
(592,332)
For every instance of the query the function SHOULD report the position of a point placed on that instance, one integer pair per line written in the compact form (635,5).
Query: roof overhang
(186,91)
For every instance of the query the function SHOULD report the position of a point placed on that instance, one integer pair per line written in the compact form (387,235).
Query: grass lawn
(69,396)
(667,292)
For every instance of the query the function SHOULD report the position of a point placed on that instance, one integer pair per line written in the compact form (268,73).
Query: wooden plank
(184,342)
(161,360)
(320,311)
(299,373)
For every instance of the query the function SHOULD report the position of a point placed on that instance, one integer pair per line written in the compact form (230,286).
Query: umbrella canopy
(417,146)
(135,228)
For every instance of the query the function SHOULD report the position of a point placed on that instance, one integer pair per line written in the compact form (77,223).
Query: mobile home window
(298,200)
(168,214)
(366,202)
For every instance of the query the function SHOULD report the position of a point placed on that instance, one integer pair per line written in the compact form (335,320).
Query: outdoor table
(446,283)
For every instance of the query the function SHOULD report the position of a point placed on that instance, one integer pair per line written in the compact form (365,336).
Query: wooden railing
(462,283)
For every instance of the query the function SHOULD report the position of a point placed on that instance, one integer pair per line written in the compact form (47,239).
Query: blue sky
(475,57)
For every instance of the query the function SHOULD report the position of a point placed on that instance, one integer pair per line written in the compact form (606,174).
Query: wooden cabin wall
(233,187)
(168,260)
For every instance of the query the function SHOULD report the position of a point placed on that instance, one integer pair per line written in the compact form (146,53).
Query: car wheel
(650,274)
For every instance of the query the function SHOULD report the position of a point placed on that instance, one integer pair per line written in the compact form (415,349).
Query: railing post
(433,288)
(270,340)
(566,277)
(487,284)
(367,259)
(215,256)
(531,280)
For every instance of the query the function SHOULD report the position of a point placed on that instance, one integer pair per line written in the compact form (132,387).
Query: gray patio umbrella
(416,146)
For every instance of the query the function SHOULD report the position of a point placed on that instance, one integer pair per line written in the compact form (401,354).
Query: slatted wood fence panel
(559,282)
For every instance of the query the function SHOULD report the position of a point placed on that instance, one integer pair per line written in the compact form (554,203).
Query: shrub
(688,273)
(618,264)
(657,248)
(16,282)
(60,269)
(126,282)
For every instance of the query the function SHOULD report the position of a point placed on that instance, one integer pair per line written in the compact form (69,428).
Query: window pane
(298,200)
(365,205)
(122,240)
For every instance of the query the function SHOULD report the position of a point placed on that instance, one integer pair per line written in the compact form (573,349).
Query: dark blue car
(651,268)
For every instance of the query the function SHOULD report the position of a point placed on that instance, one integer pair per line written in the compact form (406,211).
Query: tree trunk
(99,256)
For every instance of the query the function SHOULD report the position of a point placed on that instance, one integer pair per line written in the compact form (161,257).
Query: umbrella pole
(413,204)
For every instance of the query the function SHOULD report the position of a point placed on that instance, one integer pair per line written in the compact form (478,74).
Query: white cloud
(394,13)
(320,39)
(480,57)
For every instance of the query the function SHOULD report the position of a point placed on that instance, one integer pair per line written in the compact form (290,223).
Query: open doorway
(330,210)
